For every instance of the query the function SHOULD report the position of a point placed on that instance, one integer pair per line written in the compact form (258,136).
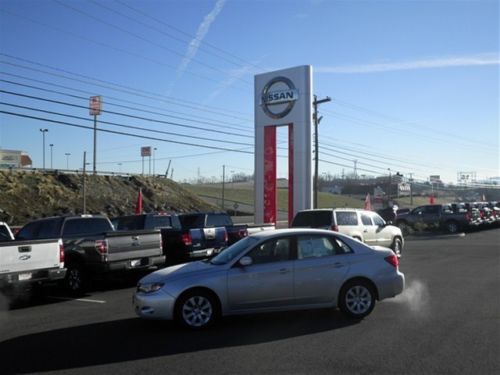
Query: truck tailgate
(133,245)
(18,256)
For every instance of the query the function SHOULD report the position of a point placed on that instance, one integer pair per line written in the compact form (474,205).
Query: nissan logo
(283,97)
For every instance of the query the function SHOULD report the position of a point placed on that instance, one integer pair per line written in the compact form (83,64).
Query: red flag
(431,199)
(368,202)
(138,205)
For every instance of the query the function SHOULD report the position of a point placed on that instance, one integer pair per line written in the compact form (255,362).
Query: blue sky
(414,84)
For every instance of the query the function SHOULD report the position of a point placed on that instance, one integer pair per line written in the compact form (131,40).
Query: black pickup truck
(92,246)
(434,216)
(175,245)
(184,237)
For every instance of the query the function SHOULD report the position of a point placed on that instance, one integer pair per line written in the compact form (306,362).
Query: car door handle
(284,270)
(338,265)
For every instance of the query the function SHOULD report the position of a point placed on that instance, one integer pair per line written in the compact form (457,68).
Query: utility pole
(84,185)
(355,169)
(223,182)
(95,108)
(43,140)
(317,120)
(51,146)
(411,189)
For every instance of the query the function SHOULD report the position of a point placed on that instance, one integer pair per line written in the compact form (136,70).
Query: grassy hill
(28,195)
(243,193)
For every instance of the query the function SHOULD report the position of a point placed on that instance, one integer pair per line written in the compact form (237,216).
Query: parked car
(92,246)
(278,270)
(363,225)
(27,263)
(434,216)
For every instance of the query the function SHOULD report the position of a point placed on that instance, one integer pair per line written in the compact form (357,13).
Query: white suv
(366,226)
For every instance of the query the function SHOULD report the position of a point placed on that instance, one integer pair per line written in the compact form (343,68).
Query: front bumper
(156,305)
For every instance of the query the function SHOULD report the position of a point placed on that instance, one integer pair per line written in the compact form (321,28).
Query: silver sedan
(276,270)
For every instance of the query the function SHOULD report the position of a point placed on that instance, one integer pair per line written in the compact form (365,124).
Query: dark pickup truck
(184,237)
(175,246)
(434,216)
(206,237)
(92,246)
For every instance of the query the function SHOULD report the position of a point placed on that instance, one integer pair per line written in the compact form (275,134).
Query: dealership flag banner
(138,205)
(368,202)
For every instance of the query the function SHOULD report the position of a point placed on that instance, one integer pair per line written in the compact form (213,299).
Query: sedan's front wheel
(197,309)
(357,299)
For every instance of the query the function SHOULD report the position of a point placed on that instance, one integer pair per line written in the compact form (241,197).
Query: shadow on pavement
(135,339)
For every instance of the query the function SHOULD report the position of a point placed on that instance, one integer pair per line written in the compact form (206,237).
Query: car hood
(180,270)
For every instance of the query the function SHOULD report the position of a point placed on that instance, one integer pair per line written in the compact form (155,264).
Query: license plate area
(24,276)
(138,262)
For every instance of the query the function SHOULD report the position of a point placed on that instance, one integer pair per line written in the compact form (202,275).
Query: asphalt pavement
(446,322)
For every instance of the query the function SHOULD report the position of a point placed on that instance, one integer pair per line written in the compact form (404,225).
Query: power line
(89,93)
(121,125)
(116,113)
(131,108)
(66,5)
(122,133)
(121,88)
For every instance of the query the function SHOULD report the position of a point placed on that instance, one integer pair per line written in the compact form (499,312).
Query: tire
(76,279)
(451,227)
(197,309)
(357,299)
(397,246)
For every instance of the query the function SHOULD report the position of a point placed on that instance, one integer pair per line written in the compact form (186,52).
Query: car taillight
(186,238)
(242,233)
(226,238)
(335,228)
(101,246)
(61,252)
(392,260)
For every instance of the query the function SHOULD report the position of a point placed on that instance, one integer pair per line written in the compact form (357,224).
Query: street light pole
(317,120)
(43,143)
(67,159)
(154,160)
(51,146)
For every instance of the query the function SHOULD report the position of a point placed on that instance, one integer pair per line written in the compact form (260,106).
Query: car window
(85,226)
(347,218)
(314,247)
(313,219)
(192,221)
(341,247)
(431,210)
(366,220)
(218,220)
(274,250)
(377,220)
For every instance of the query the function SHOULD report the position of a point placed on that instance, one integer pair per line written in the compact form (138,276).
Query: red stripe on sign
(290,173)
(270,201)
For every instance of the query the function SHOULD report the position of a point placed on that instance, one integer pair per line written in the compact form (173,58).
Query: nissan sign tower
(283,98)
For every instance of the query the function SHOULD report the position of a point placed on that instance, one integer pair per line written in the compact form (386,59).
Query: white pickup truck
(24,263)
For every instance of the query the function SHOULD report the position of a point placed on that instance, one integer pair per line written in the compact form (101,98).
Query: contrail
(203,29)
(444,62)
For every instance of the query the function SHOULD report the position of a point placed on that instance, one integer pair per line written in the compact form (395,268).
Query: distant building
(14,159)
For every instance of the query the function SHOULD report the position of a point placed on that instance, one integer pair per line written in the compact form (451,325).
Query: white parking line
(78,299)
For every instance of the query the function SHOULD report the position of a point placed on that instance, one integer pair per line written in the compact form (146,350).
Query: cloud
(203,29)
(444,62)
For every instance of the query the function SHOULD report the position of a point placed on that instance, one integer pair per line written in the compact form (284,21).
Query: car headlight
(149,287)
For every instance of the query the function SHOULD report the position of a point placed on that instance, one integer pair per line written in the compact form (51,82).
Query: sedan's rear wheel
(357,299)
(197,309)
(397,246)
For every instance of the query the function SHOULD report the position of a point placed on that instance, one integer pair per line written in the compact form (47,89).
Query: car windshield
(231,252)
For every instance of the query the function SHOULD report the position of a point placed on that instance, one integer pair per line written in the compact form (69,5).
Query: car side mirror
(246,261)
(388,223)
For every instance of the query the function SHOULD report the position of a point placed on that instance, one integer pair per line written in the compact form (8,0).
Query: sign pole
(95,142)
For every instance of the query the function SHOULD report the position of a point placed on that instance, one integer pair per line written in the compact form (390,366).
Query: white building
(14,159)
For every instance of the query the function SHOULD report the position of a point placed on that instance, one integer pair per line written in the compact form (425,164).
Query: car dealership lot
(447,321)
